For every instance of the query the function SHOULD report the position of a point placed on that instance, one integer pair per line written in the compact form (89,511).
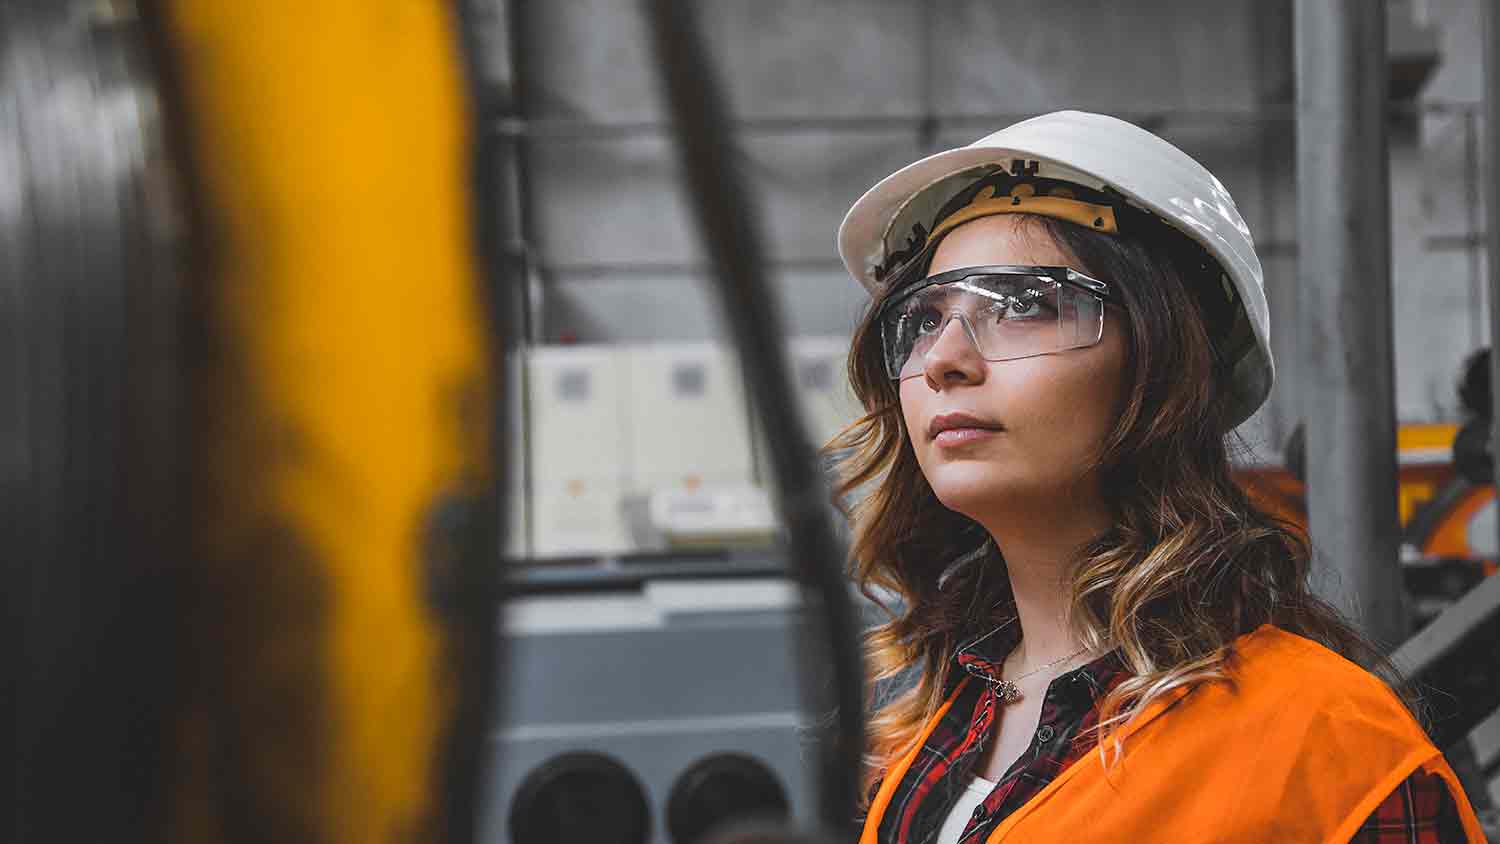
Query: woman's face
(1041,420)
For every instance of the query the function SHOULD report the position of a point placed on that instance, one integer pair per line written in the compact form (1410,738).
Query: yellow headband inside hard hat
(1023,199)
(1043,197)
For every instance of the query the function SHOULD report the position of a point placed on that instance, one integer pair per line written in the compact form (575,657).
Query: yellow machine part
(343,395)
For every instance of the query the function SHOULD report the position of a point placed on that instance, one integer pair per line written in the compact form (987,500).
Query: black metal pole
(1491,159)
(726,214)
(475,523)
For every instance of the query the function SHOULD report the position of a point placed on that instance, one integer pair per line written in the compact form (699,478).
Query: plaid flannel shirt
(1419,811)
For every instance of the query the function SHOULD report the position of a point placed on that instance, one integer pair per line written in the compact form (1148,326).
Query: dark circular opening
(722,788)
(580,798)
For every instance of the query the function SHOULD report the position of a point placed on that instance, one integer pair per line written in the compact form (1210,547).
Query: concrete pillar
(1346,362)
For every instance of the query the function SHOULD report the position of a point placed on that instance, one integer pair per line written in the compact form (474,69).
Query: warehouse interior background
(831,97)
(272,580)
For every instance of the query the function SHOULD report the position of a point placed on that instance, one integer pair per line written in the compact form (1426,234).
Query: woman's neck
(1039,548)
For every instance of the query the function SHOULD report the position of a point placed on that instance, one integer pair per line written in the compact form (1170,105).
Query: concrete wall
(1437,219)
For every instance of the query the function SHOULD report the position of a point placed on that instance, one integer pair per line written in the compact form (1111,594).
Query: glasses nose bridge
(966,328)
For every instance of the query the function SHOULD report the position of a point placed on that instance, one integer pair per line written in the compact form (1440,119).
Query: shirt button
(1045,734)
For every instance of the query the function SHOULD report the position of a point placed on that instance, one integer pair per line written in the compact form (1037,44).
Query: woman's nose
(953,358)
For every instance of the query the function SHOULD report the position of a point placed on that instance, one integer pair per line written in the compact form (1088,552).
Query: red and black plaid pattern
(1420,811)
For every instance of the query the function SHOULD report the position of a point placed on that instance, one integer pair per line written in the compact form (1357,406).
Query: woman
(1108,641)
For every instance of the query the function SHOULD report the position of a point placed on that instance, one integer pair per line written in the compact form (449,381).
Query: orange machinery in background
(1436,503)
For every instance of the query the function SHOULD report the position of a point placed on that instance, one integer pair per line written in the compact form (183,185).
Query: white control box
(578,516)
(820,367)
(687,421)
(578,445)
(713,516)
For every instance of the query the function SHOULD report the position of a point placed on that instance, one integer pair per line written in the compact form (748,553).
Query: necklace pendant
(1007,691)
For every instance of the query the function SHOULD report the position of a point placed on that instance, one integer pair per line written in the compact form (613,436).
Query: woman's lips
(962,436)
(958,427)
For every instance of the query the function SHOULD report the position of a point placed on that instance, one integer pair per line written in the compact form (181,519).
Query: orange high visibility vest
(1300,748)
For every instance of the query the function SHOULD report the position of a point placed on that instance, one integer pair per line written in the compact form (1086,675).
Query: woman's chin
(972,488)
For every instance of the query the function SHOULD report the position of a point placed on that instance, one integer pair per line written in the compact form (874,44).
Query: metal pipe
(928,126)
(1471,238)
(1438,654)
(1344,283)
(726,211)
(480,525)
(514,162)
(1491,159)
(929,121)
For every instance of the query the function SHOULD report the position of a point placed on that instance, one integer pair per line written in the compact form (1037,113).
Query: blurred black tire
(90,432)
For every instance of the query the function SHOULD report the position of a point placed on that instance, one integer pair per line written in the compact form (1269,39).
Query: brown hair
(1190,563)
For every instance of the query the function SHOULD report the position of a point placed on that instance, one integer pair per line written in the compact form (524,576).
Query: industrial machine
(247,412)
(665,704)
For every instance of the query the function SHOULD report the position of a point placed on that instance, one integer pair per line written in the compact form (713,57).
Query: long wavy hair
(1189,564)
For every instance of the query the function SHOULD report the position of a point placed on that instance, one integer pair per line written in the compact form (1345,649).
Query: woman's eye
(1017,309)
(925,320)
(1025,306)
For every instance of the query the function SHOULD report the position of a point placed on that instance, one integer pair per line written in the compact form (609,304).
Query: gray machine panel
(657,679)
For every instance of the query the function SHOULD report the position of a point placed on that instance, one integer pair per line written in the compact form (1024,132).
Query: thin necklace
(1009,692)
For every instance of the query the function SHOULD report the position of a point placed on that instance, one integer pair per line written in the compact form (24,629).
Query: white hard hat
(1097,152)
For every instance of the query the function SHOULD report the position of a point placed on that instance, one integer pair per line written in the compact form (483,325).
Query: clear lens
(1005,316)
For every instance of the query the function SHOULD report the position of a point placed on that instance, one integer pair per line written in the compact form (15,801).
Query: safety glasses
(1007,312)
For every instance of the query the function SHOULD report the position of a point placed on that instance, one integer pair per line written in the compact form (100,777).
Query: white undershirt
(958,817)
